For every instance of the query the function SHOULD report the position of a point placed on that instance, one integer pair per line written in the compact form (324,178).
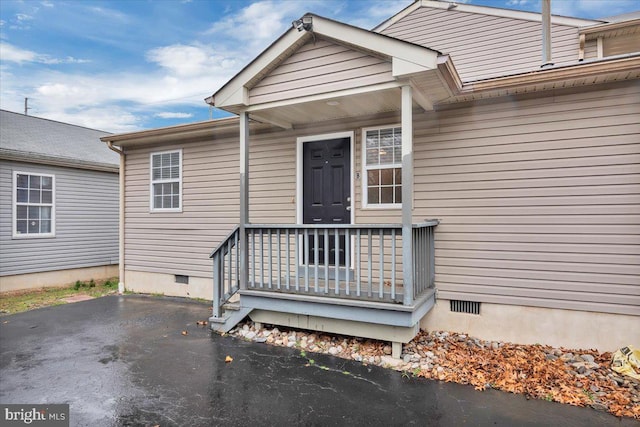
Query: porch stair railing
(227,312)
(342,261)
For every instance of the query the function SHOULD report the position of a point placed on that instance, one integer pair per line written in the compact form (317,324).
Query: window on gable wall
(383,167)
(33,205)
(166,181)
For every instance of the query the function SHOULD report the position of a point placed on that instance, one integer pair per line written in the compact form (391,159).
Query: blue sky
(126,65)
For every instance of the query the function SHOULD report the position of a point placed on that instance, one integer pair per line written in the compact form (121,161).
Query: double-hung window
(166,181)
(33,207)
(382,159)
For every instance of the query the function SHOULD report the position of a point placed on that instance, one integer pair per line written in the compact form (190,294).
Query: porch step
(230,318)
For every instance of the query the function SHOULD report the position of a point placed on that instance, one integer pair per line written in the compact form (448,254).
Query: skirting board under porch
(394,334)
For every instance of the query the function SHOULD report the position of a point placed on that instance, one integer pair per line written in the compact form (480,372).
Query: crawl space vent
(182,279)
(471,307)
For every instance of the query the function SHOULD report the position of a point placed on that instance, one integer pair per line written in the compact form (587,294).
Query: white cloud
(170,115)
(23,17)
(258,24)
(46,3)
(183,60)
(12,53)
(15,54)
(110,119)
(518,2)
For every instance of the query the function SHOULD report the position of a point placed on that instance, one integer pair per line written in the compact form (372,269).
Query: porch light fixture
(304,23)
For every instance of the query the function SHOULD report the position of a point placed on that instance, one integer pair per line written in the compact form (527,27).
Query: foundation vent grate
(182,279)
(458,306)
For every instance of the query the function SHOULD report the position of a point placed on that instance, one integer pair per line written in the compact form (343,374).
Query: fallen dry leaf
(185,333)
(228,359)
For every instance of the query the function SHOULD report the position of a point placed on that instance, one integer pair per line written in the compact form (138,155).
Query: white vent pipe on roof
(546,34)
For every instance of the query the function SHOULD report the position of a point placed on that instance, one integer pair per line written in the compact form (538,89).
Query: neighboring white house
(58,203)
(347,143)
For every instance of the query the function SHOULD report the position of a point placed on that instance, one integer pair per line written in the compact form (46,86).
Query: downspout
(120,218)
(546,34)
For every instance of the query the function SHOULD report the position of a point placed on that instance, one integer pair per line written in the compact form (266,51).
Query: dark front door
(326,189)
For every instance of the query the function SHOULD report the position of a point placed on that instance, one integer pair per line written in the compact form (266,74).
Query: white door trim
(301,140)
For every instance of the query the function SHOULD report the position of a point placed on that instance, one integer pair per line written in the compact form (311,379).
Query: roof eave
(28,157)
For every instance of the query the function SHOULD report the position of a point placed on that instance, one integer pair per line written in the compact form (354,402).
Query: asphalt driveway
(122,360)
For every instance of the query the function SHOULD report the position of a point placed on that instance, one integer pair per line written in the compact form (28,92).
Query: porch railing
(349,261)
(226,271)
(424,273)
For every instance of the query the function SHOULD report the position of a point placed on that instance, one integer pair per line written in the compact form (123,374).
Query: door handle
(348,208)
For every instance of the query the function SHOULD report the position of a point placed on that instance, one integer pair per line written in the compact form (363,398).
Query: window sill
(381,207)
(155,211)
(33,236)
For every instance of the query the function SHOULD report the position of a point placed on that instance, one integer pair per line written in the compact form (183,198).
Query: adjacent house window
(166,181)
(33,207)
(382,167)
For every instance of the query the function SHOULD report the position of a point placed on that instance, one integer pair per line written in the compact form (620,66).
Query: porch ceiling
(332,108)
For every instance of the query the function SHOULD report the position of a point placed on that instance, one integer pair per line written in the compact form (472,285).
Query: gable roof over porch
(335,70)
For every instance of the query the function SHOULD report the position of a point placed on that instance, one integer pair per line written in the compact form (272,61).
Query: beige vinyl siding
(485,46)
(180,242)
(628,43)
(320,67)
(539,200)
(591,49)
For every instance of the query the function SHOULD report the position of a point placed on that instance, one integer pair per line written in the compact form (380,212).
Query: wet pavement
(122,360)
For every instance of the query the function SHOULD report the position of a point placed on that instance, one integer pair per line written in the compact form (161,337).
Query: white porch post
(407,193)
(244,197)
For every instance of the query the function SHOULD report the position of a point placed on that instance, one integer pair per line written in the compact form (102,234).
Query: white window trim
(365,192)
(151,181)
(14,208)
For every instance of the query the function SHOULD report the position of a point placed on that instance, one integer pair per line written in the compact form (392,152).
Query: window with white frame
(33,206)
(166,181)
(383,167)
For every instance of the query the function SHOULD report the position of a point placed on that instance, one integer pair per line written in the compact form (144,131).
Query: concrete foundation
(534,325)
(165,284)
(48,279)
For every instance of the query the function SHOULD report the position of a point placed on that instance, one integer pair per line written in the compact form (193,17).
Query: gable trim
(407,58)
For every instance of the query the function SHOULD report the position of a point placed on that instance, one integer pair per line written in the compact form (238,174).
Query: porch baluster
(326,260)
(306,260)
(336,245)
(357,262)
(381,262)
(315,259)
(347,260)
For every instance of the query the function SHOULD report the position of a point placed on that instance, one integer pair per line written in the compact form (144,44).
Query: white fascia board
(398,16)
(384,45)
(234,91)
(403,68)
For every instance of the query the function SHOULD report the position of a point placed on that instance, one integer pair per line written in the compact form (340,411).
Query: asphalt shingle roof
(38,138)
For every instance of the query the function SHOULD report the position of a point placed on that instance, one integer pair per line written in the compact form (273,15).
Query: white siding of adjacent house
(539,198)
(319,67)
(86,222)
(484,46)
